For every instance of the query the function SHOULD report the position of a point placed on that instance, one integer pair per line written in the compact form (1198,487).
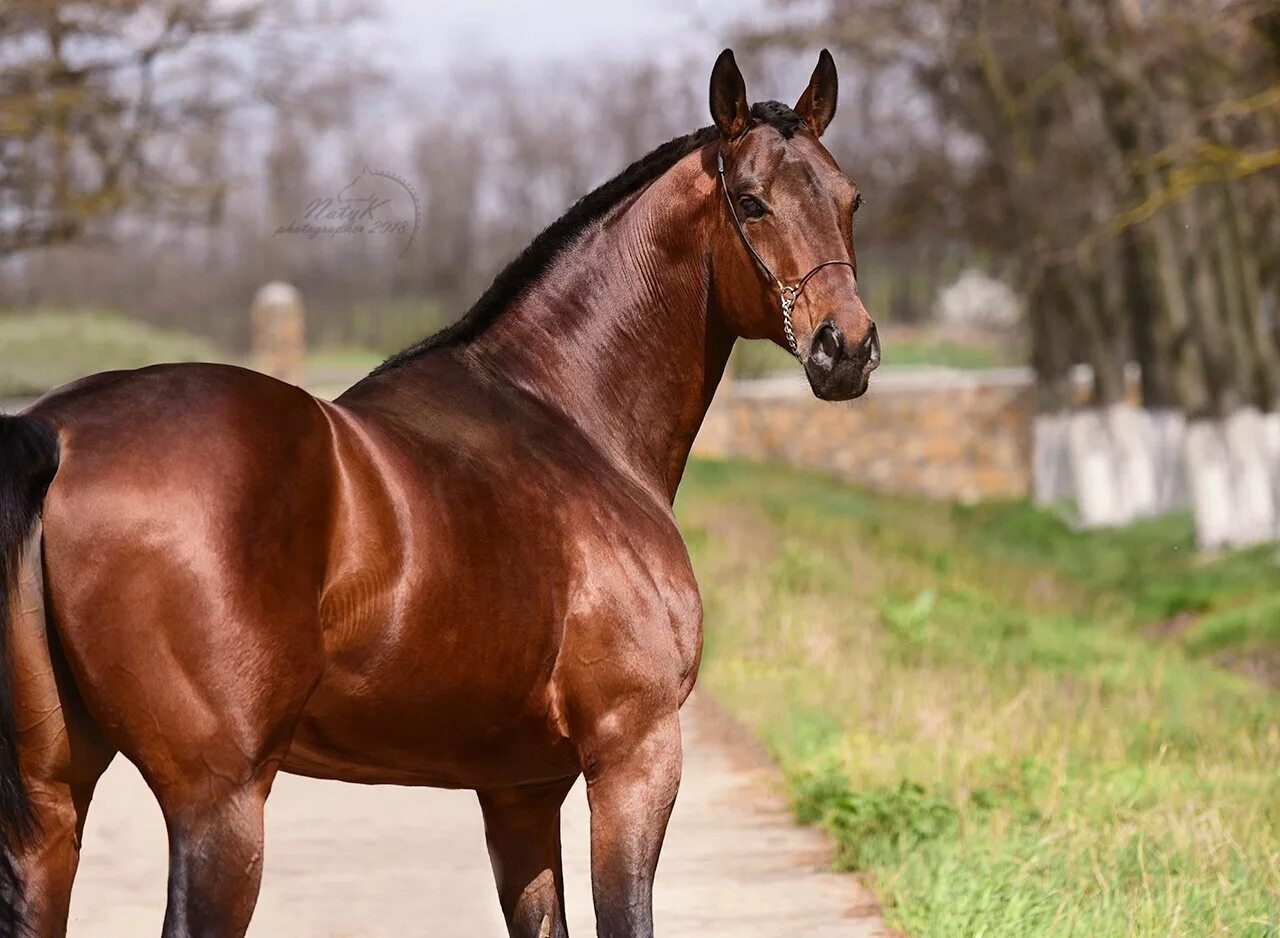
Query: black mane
(534,260)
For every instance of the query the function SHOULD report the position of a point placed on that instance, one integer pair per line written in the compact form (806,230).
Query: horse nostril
(828,340)
(869,347)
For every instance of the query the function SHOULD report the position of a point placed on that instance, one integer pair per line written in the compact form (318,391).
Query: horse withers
(463,573)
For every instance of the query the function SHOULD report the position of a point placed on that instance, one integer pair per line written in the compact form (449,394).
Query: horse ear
(729,108)
(818,103)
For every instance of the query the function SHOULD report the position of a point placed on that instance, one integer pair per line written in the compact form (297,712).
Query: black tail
(28,460)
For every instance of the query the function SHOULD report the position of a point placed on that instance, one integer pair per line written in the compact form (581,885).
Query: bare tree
(119,106)
(1123,157)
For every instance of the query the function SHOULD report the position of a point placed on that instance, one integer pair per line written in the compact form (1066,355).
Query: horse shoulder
(633,623)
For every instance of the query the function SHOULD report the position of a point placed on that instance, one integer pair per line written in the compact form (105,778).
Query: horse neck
(619,335)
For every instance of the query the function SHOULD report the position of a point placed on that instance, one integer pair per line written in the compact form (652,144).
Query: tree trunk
(1188,375)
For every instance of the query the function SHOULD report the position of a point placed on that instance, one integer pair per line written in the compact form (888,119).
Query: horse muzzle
(838,370)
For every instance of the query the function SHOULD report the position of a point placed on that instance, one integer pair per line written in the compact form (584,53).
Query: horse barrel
(277,324)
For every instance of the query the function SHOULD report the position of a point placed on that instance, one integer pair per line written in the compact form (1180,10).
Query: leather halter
(788,293)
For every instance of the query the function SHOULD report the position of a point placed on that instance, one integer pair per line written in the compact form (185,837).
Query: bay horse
(464,572)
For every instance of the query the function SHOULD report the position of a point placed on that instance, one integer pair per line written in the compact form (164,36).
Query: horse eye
(857,202)
(751,206)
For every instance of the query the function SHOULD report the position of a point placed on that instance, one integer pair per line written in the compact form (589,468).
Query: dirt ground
(351,861)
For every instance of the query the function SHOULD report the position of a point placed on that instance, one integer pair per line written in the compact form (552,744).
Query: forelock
(779,116)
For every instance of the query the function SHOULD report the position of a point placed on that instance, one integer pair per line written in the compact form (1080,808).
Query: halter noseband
(788,293)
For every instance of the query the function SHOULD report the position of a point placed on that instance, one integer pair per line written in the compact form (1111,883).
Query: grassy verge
(42,350)
(1014,728)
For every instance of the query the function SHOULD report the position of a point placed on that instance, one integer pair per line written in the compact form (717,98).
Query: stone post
(277,345)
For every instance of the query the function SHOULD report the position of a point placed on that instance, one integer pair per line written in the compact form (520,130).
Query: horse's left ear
(729,108)
(818,103)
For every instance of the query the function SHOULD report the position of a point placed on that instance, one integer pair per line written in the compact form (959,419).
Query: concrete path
(351,861)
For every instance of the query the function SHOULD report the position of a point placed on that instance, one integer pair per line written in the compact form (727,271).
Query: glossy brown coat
(464,572)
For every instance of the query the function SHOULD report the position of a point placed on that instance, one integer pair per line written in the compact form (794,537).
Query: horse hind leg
(61,756)
(522,829)
(212,787)
(59,785)
(215,857)
(207,729)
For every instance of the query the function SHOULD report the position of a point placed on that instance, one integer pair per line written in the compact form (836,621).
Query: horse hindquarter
(185,544)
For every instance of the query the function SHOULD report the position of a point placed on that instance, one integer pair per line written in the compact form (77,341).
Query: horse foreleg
(522,828)
(631,789)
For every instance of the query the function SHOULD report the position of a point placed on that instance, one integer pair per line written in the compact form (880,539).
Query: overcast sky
(422,44)
(432,34)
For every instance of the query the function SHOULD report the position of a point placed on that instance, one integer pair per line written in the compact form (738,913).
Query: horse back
(218,456)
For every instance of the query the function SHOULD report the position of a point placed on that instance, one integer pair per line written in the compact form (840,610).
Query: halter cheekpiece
(787,293)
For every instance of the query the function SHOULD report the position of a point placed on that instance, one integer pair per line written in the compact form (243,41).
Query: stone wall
(936,432)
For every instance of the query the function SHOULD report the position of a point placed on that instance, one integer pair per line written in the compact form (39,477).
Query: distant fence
(938,432)
(1122,463)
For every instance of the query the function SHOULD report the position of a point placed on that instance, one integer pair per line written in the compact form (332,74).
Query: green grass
(943,352)
(1013,728)
(760,360)
(43,349)
(391,325)
(344,360)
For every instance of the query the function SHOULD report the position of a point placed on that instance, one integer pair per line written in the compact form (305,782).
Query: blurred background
(1010,624)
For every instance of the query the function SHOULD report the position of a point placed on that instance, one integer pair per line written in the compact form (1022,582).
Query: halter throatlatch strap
(787,293)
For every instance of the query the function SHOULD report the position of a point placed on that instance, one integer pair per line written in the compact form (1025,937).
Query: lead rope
(788,294)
